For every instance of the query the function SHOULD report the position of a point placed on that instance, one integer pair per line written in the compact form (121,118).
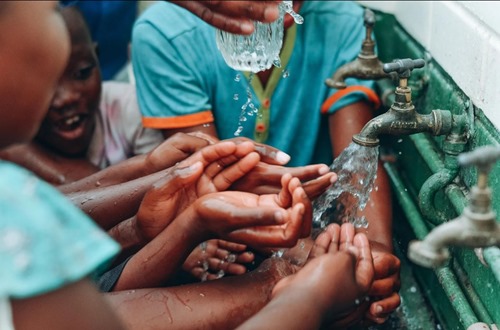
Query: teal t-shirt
(45,241)
(182,79)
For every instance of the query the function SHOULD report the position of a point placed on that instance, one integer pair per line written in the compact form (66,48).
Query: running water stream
(356,168)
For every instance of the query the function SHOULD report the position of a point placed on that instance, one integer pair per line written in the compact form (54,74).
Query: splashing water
(288,6)
(248,105)
(356,168)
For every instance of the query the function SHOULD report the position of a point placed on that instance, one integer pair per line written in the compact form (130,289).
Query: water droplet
(236,97)
(400,153)
(286,74)
(277,62)
(400,140)
(237,77)
(413,289)
(238,131)
(357,302)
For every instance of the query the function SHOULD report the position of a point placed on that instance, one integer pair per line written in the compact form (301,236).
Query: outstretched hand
(338,273)
(209,170)
(276,220)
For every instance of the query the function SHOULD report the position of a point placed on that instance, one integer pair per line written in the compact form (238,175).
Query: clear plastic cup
(258,51)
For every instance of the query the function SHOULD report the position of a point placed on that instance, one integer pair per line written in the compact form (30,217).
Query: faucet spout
(468,230)
(366,66)
(397,121)
(475,227)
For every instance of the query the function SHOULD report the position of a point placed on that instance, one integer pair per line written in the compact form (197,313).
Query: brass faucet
(366,66)
(402,118)
(475,227)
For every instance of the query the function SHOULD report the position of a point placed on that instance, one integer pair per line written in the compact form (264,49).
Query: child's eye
(84,73)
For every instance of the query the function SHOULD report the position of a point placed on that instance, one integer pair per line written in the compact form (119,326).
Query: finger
(300,196)
(383,308)
(321,244)
(211,153)
(178,177)
(386,286)
(268,154)
(364,268)
(347,233)
(334,243)
(214,206)
(285,195)
(385,265)
(231,246)
(309,172)
(215,265)
(229,175)
(285,235)
(316,187)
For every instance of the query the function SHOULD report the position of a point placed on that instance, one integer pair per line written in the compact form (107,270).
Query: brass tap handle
(483,157)
(369,18)
(403,67)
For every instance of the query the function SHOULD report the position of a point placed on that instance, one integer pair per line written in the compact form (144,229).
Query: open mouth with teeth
(71,127)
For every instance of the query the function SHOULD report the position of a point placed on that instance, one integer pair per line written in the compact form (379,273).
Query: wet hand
(384,295)
(233,16)
(274,220)
(265,179)
(173,150)
(327,264)
(216,258)
(209,170)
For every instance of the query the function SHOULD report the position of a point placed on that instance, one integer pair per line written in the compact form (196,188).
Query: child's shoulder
(45,241)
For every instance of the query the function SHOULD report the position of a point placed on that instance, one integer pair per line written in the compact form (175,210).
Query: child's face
(69,125)
(33,53)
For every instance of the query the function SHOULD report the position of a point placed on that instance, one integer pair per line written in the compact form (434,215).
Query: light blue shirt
(45,241)
(182,79)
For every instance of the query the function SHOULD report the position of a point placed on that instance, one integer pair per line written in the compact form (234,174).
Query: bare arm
(173,150)
(78,306)
(54,169)
(221,304)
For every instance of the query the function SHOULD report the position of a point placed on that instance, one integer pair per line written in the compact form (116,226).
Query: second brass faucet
(366,66)
(401,118)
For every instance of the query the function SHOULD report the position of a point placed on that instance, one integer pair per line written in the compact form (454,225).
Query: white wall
(463,37)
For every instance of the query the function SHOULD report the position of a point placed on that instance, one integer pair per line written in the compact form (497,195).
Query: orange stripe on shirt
(370,93)
(178,122)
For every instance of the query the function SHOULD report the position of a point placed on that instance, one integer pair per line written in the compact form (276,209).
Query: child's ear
(96,48)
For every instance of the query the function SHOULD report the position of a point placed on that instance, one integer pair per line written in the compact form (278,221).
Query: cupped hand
(209,170)
(339,271)
(265,178)
(274,220)
(215,258)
